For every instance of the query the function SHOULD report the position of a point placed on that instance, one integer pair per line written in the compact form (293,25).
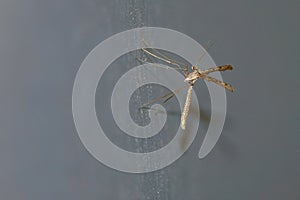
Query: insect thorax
(193,76)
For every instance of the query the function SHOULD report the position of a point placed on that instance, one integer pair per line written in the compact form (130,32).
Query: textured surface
(42,46)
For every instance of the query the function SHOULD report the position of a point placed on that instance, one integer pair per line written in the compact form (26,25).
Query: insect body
(190,78)
(196,73)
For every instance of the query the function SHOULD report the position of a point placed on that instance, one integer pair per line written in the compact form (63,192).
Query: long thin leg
(219,68)
(167,97)
(157,64)
(186,108)
(186,65)
(161,54)
(165,60)
(218,82)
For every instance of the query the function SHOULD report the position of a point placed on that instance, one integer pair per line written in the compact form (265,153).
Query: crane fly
(190,77)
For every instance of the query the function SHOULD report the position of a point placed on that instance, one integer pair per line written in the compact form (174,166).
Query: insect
(190,77)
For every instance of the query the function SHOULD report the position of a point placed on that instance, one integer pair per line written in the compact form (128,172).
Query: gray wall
(42,44)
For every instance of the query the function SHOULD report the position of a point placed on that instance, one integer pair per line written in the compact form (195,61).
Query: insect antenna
(206,48)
